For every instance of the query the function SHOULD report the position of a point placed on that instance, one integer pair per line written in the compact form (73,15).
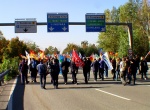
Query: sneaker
(145,78)
(65,83)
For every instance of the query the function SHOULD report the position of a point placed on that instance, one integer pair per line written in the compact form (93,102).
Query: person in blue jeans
(42,72)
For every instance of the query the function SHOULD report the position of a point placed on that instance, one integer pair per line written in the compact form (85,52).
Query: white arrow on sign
(64,28)
(51,28)
(103,29)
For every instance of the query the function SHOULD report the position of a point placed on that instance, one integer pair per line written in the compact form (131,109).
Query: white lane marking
(113,94)
(12,88)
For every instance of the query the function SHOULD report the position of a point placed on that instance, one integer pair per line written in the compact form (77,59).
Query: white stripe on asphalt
(113,94)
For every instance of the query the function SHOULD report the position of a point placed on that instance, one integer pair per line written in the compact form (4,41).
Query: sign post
(57,22)
(95,22)
(25,26)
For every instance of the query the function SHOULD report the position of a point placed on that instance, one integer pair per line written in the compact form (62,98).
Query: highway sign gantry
(25,27)
(95,22)
(57,22)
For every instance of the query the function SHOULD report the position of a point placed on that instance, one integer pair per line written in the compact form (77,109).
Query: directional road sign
(95,22)
(25,27)
(57,22)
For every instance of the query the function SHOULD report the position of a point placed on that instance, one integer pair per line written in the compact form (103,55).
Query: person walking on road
(73,72)
(55,72)
(101,68)
(123,71)
(143,68)
(65,69)
(95,67)
(85,70)
(41,68)
(23,68)
(88,68)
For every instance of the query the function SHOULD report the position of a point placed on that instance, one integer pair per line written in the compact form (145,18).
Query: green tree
(70,47)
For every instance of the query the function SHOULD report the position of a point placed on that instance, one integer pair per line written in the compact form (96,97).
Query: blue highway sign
(57,22)
(95,22)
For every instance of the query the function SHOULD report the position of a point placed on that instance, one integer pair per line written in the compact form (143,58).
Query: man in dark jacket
(23,68)
(85,70)
(55,72)
(95,66)
(73,71)
(42,72)
(65,69)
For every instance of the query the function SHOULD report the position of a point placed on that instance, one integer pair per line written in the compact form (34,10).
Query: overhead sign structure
(95,22)
(57,22)
(25,27)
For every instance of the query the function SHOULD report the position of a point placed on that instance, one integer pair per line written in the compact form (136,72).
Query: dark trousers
(24,77)
(64,73)
(113,71)
(99,71)
(33,74)
(43,77)
(55,80)
(85,77)
(74,77)
(143,73)
(88,75)
(102,73)
(95,75)
(132,74)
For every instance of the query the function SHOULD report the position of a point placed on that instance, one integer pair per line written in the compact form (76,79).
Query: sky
(76,9)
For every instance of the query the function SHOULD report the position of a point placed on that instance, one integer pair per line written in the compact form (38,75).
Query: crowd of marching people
(124,69)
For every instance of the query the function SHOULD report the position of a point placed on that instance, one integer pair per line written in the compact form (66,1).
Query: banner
(77,59)
(107,61)
(28,56)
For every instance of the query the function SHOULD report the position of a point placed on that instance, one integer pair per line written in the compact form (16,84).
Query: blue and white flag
(28,56)
(107,61)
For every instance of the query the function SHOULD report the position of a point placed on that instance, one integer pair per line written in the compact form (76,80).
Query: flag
(28,56)
(80,55)
(77,59)
(107,61)
(92,57)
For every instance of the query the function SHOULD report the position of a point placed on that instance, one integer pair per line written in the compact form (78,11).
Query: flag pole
(147,54)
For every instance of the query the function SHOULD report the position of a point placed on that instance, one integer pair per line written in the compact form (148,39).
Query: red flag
(77,59)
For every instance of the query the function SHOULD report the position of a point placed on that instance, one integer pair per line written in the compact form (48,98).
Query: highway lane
(100,95)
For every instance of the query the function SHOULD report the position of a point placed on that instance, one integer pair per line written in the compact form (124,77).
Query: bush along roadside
(11,63)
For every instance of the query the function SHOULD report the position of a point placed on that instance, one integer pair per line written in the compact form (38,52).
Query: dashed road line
(113,94)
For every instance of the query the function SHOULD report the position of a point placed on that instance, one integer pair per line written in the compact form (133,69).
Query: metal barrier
(2,76)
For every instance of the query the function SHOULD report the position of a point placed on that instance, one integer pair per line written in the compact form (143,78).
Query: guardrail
(2,76)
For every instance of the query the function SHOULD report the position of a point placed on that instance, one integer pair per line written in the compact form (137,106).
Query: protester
(95,66)
(73,72)
(65,69)
(42,72)
(117,68)
(113,71)
(85,70)
(33,70)
(101,68)
(88,68)
(23,68)
(49,67)
(123,71)
(132,71)
(143,68)
(55,72)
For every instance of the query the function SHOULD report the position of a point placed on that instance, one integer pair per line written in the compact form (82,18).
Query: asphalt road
(100,95)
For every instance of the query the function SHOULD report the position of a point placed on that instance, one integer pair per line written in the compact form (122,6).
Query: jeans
(42,76)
